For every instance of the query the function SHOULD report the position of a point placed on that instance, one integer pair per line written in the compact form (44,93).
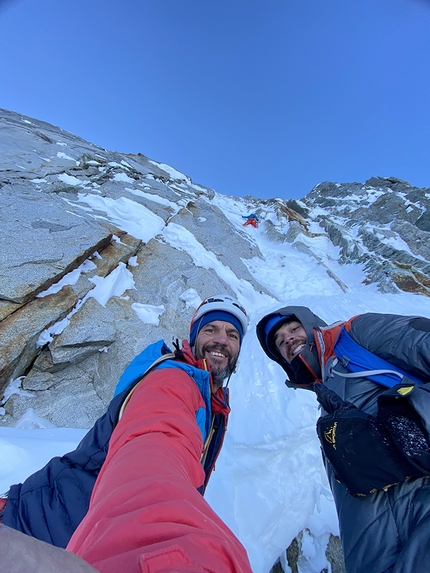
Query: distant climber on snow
(251,219)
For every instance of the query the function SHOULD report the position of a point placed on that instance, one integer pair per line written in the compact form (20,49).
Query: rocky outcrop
(382,224)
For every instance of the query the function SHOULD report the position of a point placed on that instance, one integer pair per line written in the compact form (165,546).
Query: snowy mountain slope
(183,242)
(269,483)
(277,456)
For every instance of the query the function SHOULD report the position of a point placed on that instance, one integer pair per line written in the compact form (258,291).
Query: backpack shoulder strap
(361,362)
(163,358)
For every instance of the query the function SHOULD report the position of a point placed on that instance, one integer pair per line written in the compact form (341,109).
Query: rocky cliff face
(66,220)
(50,233)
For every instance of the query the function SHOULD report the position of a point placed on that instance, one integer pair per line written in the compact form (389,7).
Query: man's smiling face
(219,343)
(290,339)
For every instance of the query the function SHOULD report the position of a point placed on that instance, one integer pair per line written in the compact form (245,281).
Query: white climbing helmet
(219,305)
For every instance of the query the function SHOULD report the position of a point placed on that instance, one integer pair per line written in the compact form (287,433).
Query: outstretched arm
(146,514)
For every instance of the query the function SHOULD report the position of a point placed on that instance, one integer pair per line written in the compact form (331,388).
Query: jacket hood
(266,329)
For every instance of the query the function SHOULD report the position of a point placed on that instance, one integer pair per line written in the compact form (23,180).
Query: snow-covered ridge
(383,224)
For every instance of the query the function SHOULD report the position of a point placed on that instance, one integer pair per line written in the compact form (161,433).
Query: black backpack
(370,453)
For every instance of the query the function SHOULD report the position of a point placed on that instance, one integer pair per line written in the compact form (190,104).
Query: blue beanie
(210,317)
(274,323)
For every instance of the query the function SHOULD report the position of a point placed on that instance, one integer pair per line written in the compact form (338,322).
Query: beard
(218,373)
(295,343)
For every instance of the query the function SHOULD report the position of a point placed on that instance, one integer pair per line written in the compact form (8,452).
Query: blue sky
(249,97)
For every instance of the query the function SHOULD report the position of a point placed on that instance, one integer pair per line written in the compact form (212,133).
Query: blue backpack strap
(141,364)
(362,362)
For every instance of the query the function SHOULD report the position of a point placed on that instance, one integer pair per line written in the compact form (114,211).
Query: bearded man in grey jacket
(374,428)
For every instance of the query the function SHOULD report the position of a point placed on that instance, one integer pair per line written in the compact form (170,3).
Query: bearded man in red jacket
(145,464)
(146,513)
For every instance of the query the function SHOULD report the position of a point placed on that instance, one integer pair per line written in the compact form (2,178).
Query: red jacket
(146,515)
